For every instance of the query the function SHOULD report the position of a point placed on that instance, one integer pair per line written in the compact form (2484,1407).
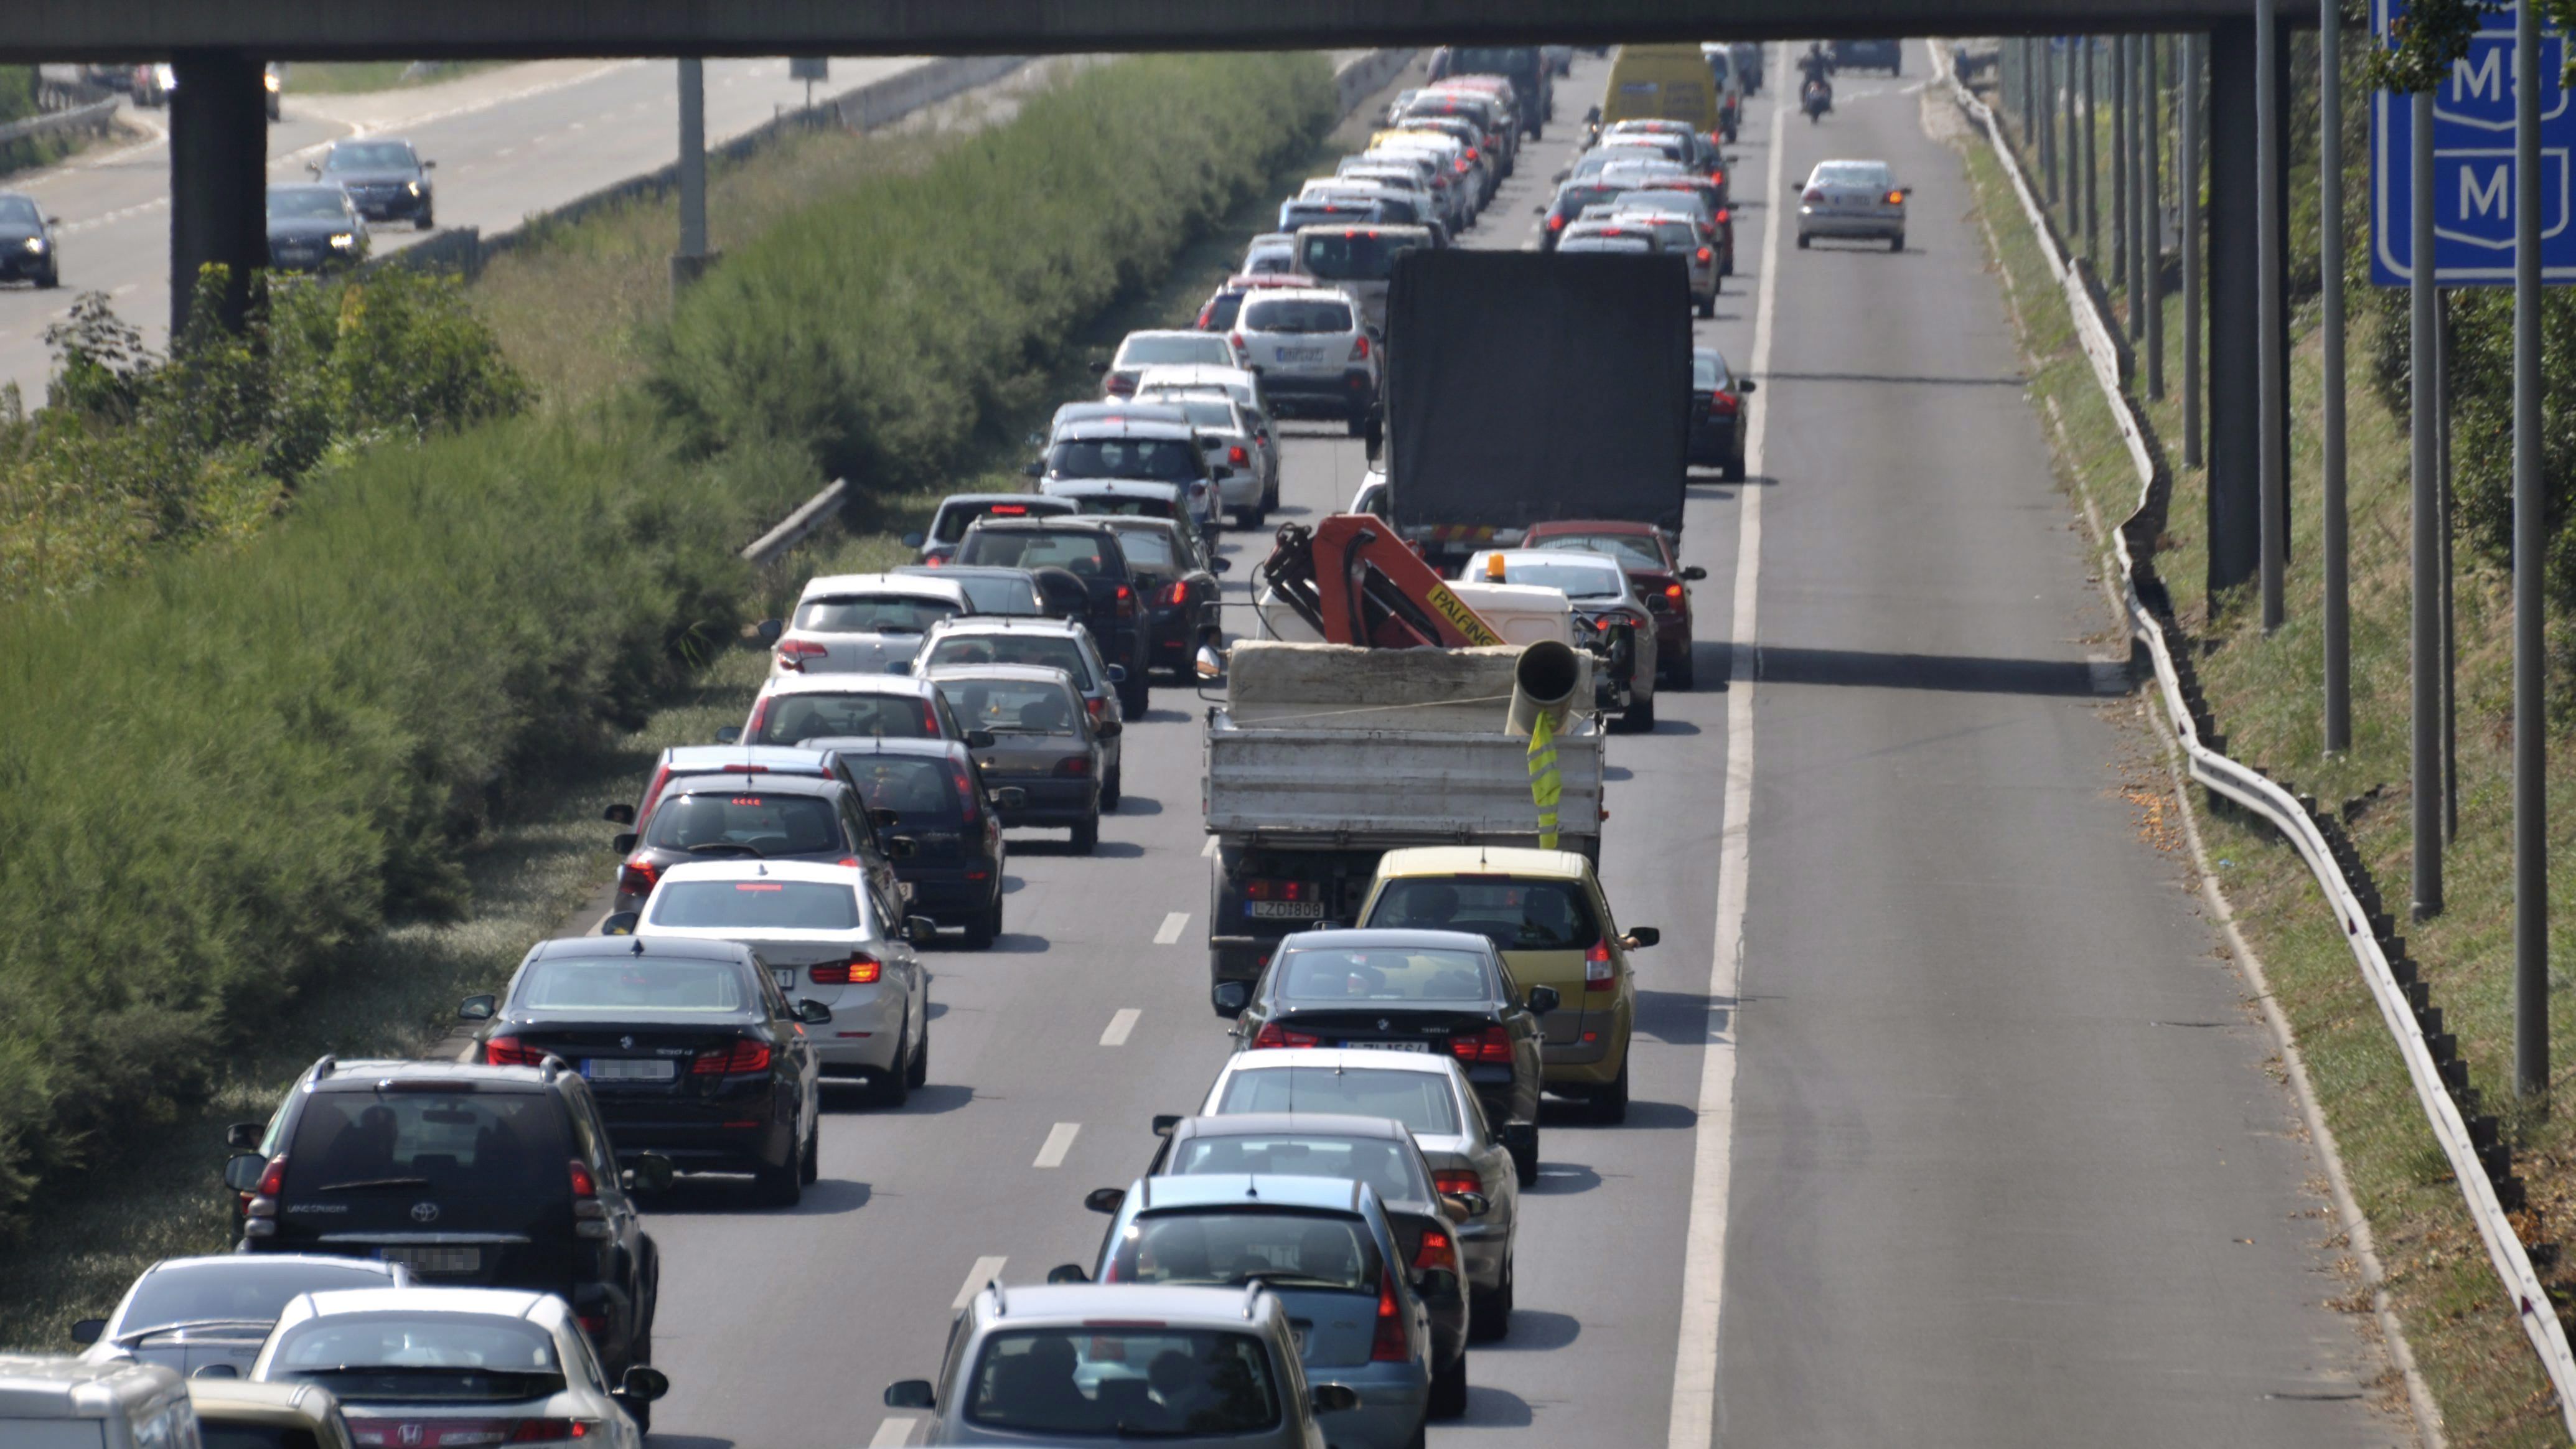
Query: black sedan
(312,228)
(1044,744)
(1719,414)
(386,179)
(930,793)
(692,1052)
(27,242)
(1413,991)
(1177,577)
(772,817)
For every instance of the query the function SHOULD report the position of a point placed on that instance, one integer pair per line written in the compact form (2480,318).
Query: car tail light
(1555,222)
(1359,348)
(1473,153)
(1237,456)
(1281,890)
(1388,1346)
(1813,195)
(935,561)
(1009,510)
(1721,404)
(272,1179)
(1449,1182)
(1597,972)
(553,1431)
(740,1058)
(1493,1044)
(1098,704)
(1180,593)
(509,1051)
(1438,1250)
(1121,385)
(1895,198)
(1673,592)
(966,796)
(583,1184)
(1717,178)
(1126,602)
(793,653)
(759,717)
(1725,217)
(1272,1034)
(1236,338)
(1706,255)
(636,877)
(929,720)
(860,970)
(1074,767)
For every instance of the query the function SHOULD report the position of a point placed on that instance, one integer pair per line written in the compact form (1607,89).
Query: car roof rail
(324,1067)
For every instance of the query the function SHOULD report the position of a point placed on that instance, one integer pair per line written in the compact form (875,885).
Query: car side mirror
(1109,729)
(1221,565)
(1067,1273)
(1105,1199)
(902,847)
(1440,1285)
(1118,674)
(1747,385)
(1467,1204)
(1640,937)
(476,1008)
(910,1394)
(86,1331)
(312,168)
(1333,1398)
(622,842)
(729,735)
(768,630)
(920,930)
(1166,1123)
(1034,468)
(643,1384)
(882,817)
(429,166)
(1231,997)
(914,539)
(244,1136)
(1209,664)
(243,1170)
(1694,574)
(1010,797)
(619,923)
(1099,368)
(1221,472)
(812,1012)
(618,814)
(1544,999)
(979,739)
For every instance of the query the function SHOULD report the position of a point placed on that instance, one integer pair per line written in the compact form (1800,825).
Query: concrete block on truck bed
(1343,686)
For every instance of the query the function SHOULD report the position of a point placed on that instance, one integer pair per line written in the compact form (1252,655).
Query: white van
(64,1403)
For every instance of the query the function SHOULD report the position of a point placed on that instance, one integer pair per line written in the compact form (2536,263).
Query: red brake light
(1098,704)
(1724,217)
(1359,348)
(794,653)
(1597,972)
(1717,178)
(1388,1346)
(1673,592)
(1010,510)
(1272,1034)
(1074,767)
(1237,456)
(272,1181)
(860,970)
(1555,222)
(509,1051)
(1814,193)
(583,1184)
(1706,255)
(1437,1251)
(1721,404)
(1236,339)
(636,877)
(1452,1181)
(1180,592)
(1895,198)
(759,716)
(552,1431)
(743,1057)
(966,806)
(1493,1044)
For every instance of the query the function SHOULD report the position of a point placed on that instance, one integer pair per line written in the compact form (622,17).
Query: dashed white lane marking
(124,289)
(984,1271)
(894,1433)
(1173,925)
(1059,1142)
(1120,1024)
(1208,851)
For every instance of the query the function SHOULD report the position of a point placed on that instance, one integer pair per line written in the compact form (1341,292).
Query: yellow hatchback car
(1545,911)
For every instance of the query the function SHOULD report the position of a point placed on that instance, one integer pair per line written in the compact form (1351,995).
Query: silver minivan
(66,1403)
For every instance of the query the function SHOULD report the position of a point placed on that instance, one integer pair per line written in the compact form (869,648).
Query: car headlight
(269,80)
(344,239)
(412,186)
(35,244)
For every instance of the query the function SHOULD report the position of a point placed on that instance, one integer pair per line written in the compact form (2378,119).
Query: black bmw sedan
(384,177)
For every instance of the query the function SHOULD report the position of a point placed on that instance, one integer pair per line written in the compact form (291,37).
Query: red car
(1648,558)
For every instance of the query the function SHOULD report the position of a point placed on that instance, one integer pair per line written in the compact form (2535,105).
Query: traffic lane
(2004,1132)
(855,1288)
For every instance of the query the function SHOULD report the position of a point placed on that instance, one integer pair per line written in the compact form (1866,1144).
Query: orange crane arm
(1356,582)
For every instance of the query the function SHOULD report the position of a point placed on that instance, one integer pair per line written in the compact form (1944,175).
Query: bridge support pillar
(2237,416)
(218,177)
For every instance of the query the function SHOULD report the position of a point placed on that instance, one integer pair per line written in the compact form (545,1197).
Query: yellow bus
(1662,82)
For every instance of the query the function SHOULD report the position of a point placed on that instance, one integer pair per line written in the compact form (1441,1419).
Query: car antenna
(1251,1185)
(637,949)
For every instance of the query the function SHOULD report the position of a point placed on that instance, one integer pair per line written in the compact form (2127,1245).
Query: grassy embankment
(2265,693)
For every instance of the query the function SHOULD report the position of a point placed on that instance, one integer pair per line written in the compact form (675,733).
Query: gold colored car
(238,1411)
(1545,911)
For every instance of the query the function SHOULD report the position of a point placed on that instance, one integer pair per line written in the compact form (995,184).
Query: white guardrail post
(2283,811)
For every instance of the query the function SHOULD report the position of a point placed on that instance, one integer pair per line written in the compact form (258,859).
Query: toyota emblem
(1383,1023)
(424,1212)
(411,1434)
(627,1042)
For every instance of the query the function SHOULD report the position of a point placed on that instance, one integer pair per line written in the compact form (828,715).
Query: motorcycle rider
(1817,67)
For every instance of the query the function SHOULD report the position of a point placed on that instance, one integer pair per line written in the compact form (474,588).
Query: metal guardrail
(810,515)
(92,117)
(2261,796)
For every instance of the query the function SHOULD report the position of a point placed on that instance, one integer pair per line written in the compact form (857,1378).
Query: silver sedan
(1855,200)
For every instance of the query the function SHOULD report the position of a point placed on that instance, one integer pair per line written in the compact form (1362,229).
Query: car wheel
(1489,1319)
(893,1086)
(1734,470)
(917,1071)
(809,1164)
(1639,718)
(1421,1435)
(1112,788)
(1686,673)
(780,1184)
(1525,1161)
(1802,241)
(1896,243)
(1086,836)
(985,925)
(1449,1389)
(1610,1103)
(1708,304)
(1136,696)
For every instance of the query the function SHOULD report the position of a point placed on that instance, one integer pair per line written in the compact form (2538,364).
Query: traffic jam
(1407,709)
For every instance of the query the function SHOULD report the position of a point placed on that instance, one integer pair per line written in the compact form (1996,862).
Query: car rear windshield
(1573,199)
(1852,173)
(1229,1247)
(1222,309)
(640,983)
(1631,550)
(1493,60)
(1033,549)
(1181,349)
(1127,505)
(1209,413)
(421,1357)
(1056,651)
(955,518)
(1382,974)
(428,1143)
(1174,459)
(922,793)
(370,156)
(777,905)
(1010,706)
(716,824)
(305,203)
(1516,915)
(1297,314)
(999,594)
(795,718)
(1419,1100)
(244,1290)
(881,614)
(1382,1163)
(1574,580)
(1146,1381)
(1279,257)
(1147,548)
(1356,256)
(1708,371)
(1630,243)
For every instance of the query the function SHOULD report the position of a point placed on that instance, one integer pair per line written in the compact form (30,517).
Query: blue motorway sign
(2473,160)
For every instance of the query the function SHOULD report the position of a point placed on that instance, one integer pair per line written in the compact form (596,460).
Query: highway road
(1950,1127)
(509,141)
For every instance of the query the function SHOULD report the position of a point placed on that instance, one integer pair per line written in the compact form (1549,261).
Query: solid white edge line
(1208,851)
(894,1433)
(1173,925)
(1695,1349)
(986,1269)
(1059,1141)
(1121,1022)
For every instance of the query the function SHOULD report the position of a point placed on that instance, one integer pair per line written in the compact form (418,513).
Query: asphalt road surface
(1974,1147)
(508,142)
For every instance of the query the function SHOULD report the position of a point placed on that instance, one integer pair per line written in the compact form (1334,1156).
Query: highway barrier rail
(96,116)
(2479,1161)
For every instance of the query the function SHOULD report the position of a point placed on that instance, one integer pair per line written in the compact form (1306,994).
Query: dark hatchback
(469,1176)
(1011,593)
(930,793)
(1089,550)
(1176,576)
(772,817)
(1567,208)
(1043,743)
(27,243)
(314,228)
(1718,414)
(1412,991)
(694,1055)
(386,179)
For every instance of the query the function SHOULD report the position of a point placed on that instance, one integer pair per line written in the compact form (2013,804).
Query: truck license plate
(625,1069)
(1284,910)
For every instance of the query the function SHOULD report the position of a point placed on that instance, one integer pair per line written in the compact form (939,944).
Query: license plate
(436,1260)
(1284,910)
(1390,1046)
(786,980)
(625,1069)
(1301,354)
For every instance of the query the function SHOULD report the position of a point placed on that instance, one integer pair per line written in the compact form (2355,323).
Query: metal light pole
(691,259)
(2092,198)
(2048,120)
(2141,140)
(2450,620)
(2120,171)
(2530,547)
(2187,186)
(2074,142)
(2425,756)
(2272,481)
(2150,186)
(2337,541)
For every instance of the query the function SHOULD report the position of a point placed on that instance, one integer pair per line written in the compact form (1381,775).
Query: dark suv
(480,1176)
(733,817)
(939,803)
(1089,550)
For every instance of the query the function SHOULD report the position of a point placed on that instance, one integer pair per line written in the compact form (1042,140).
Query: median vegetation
(227,763)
